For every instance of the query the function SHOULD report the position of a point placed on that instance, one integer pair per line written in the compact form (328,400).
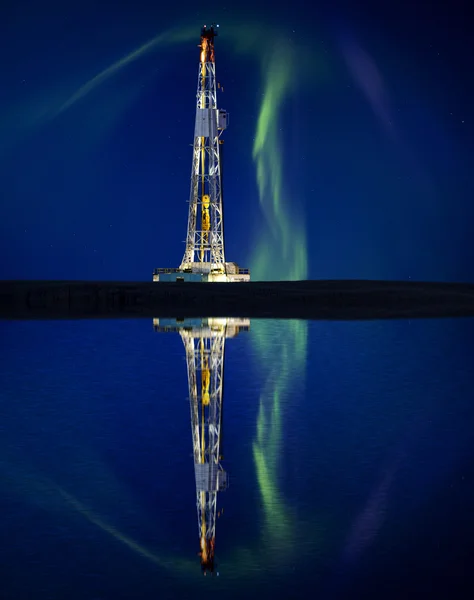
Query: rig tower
(204,341)
(204,258)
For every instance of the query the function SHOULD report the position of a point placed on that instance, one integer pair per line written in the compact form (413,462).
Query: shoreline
(311,299)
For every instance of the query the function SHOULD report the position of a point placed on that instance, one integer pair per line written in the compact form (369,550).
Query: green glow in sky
(171,37)
(281,252)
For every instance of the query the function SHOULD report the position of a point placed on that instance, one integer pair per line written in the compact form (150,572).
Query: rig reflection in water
(204,342)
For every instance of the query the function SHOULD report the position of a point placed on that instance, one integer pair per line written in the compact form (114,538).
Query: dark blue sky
(368,136)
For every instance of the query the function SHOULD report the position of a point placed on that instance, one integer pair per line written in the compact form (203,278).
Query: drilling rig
(204,341)
(204,258)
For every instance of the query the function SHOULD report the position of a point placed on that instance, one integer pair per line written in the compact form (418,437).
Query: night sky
(350,150)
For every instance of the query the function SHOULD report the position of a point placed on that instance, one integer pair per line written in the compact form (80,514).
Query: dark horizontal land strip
(337,300)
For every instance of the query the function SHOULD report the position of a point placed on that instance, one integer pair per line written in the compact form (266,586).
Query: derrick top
(207,43)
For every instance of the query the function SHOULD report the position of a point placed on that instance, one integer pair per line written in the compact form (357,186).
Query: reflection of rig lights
(210,326)
(207,556)
(204,341)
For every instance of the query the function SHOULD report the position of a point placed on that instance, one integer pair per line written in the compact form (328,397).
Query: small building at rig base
(232,273)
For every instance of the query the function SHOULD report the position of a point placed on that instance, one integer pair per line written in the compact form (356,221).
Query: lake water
(348,448)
